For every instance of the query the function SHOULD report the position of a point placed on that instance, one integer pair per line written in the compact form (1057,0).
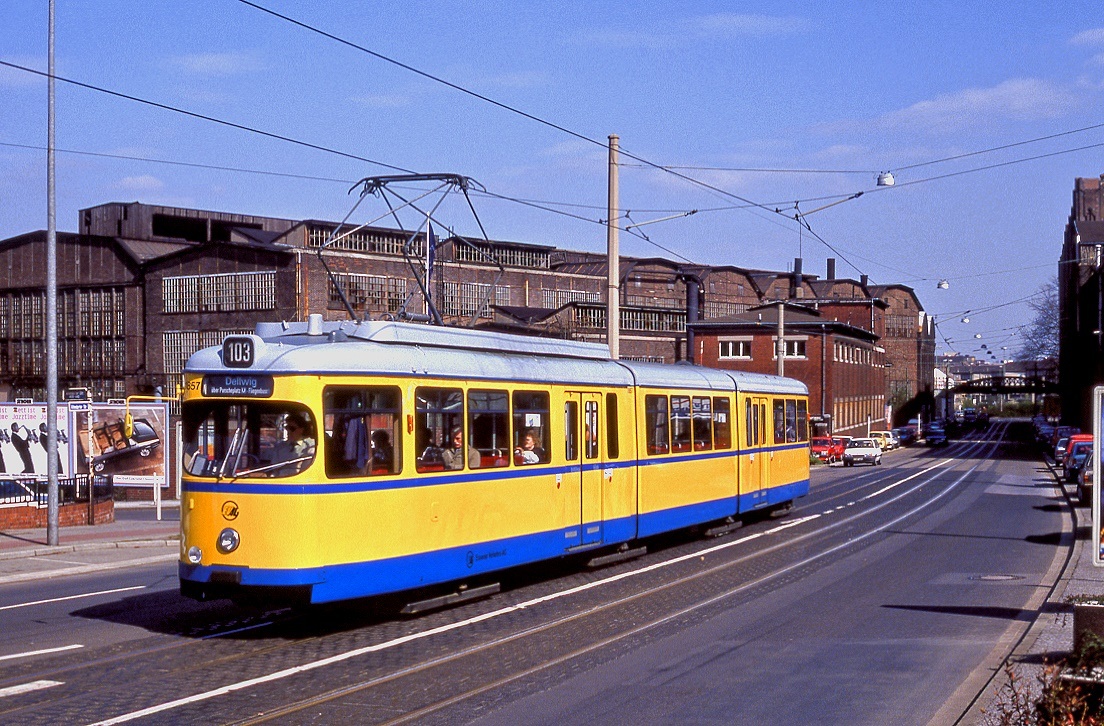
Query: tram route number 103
(238,351)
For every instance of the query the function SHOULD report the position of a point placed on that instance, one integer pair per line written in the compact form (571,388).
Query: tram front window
(227,440)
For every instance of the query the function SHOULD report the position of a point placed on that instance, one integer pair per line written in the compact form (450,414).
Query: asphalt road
(890,595)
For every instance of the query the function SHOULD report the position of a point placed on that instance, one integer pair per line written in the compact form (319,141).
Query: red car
(827,449)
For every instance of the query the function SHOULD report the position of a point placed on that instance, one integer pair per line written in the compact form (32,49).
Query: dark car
(114,444)
(936,436)
(1076,457)
(1085,481)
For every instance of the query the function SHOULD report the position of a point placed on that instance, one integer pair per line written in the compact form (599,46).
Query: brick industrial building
(142,286)
(1081,303)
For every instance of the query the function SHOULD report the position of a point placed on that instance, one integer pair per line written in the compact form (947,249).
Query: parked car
(935,436)
(1061,432)
(905,435)
(1075,439)
(827,449)
(881,438)
(1085,481)
(1059,452)
(1075,459)
(862,451)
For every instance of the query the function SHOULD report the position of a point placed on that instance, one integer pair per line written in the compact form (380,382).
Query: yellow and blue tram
(327,461)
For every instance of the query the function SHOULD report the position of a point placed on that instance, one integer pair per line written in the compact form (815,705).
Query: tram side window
(749,432)
(791,420)
(680,423)
(779,421)
(658,428)
(802,420)
(703,424)
(571,430)
(590,429)
(531,428)
(363,431)
(489,427)
(613,449)
(438,428)
(722,433)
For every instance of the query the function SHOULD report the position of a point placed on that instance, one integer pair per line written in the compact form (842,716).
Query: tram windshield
(227,440)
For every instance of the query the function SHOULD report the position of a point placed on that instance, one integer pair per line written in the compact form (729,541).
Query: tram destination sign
(237,384)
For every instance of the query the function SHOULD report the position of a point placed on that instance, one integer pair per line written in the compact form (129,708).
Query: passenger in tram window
(453,454)
(530,451)
(383,455)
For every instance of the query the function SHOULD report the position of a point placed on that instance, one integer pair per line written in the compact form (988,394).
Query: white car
(862,451)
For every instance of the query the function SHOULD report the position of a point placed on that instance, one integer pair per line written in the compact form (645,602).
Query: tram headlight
(195,555)
(228,541)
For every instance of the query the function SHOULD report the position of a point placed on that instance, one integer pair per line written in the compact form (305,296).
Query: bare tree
(1040,336)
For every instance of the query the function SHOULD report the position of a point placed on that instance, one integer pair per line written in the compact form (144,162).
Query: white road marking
(494,614)
(28,687)
(72,597)
(28,654)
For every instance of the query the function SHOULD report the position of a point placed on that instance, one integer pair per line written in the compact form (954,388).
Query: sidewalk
(128,541)
(1050,636)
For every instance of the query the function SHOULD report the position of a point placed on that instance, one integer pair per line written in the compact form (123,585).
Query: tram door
(760,460)
(585,465)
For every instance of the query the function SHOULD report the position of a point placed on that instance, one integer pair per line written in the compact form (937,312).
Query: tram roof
(384,347)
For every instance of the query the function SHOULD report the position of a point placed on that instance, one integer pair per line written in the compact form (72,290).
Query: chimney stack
(831,268)
(863,280)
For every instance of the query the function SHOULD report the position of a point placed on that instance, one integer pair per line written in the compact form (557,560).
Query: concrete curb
(46,551)
(85,569)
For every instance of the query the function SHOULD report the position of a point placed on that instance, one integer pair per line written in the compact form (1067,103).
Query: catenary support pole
(51,309)
(613,308)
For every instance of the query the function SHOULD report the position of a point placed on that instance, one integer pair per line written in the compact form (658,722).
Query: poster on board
(24,441)
(137,460)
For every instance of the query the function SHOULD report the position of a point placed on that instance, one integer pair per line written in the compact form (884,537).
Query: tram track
(450,662)
(586,615)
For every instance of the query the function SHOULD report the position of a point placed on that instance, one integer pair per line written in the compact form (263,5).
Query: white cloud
(218,64)
(1018,98)
(734,24)
(143,183)
(698,29)
(1094,36)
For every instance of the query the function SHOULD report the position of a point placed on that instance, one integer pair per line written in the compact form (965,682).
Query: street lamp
(942,285)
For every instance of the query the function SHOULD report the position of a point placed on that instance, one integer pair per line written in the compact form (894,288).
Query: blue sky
(823,95)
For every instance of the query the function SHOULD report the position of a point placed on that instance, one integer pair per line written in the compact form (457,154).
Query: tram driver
(297,449)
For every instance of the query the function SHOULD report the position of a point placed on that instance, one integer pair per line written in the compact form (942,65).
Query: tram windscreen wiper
(234,451)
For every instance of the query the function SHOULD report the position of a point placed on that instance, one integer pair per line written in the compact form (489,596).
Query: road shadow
(976,611)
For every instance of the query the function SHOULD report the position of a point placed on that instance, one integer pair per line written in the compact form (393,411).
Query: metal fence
(73,490)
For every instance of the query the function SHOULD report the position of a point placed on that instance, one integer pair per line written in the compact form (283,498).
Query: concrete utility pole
(781,346)
(613,307)
(51,311)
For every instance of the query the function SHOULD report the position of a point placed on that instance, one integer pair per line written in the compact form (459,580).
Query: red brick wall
(69,515)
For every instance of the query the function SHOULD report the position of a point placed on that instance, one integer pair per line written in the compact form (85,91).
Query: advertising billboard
(24,441)
(102,443)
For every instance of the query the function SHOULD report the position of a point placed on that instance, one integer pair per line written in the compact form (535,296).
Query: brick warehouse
(1081,303)
(842,364)
(143,286)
